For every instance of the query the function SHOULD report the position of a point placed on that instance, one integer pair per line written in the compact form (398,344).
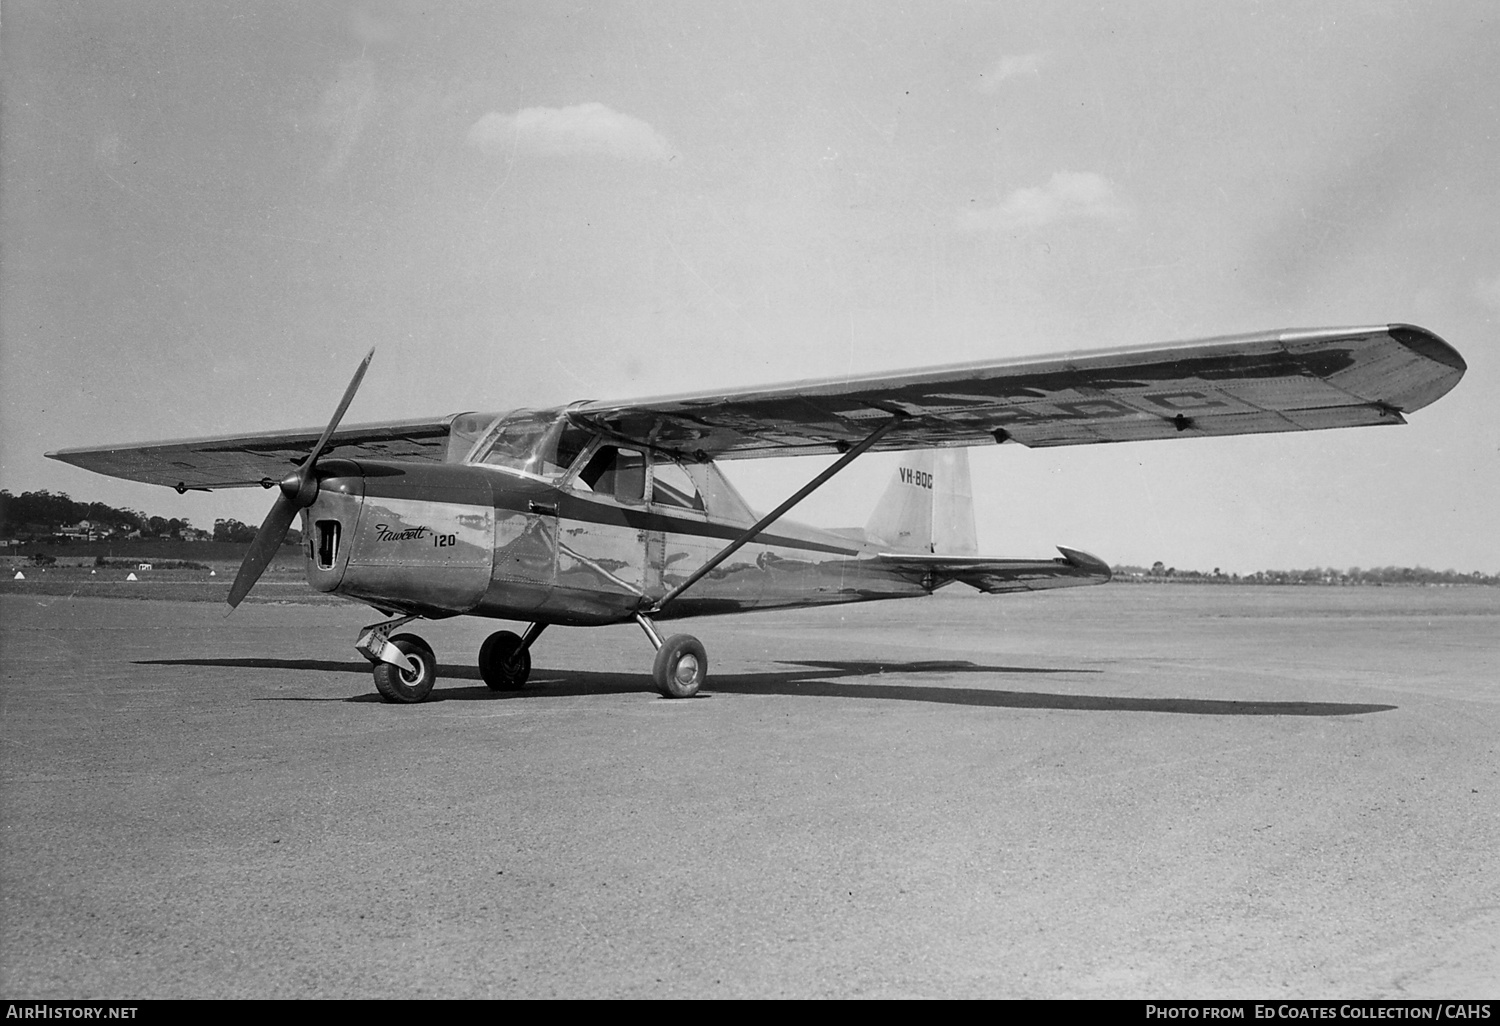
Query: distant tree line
(232,530)
(43,516)
(1382,575)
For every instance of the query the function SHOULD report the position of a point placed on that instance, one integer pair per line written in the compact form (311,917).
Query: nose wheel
(398,684)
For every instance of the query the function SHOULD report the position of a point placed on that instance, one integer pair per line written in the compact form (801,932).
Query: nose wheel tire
(398,685)
(681,666)
(502,662)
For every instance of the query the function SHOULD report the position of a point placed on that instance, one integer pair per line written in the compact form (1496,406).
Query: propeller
(298,490)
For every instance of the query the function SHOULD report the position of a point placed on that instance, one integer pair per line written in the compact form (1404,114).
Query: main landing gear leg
(405,667)
(505,658)
(681,661)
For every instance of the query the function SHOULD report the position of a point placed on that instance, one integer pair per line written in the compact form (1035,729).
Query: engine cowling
(408,537)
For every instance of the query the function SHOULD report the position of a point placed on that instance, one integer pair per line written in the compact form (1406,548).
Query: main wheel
(681,666)
(396,684)
(502,663)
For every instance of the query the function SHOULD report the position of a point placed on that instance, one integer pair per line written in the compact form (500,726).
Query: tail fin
(928,506)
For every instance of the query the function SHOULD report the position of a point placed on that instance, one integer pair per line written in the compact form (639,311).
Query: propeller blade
(297,492)
(267,541)
(338,414)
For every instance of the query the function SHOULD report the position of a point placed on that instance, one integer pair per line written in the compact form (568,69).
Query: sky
(211,211)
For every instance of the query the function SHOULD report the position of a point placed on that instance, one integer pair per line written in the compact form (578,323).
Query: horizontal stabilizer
(993,575)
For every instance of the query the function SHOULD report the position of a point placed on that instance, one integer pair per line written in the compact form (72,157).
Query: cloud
(589,128)
(1010,66)
(1068,196)
(346,108)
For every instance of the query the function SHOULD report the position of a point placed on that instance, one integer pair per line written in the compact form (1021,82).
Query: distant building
(81,531)
(88,530)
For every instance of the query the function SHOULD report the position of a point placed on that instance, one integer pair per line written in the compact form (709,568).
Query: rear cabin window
(619,473)
(671,486)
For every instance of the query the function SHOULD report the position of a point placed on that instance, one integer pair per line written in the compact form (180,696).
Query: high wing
(237,461)
(994,575)
(1293,380)
(1276,381)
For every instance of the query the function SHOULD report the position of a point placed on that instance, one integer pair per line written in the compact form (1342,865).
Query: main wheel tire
(396,684)
(681,666)
(502,664)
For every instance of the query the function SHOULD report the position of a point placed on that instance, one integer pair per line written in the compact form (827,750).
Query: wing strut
(760,525)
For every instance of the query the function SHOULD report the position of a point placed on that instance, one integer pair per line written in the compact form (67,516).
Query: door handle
(542,507)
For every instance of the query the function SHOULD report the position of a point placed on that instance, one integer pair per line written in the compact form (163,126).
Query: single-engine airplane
(607,512)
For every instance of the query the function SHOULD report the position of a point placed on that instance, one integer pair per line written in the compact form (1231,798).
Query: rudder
(928,506)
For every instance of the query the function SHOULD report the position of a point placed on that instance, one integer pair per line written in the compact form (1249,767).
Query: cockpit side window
(616,472)
(571,443)
(539,442)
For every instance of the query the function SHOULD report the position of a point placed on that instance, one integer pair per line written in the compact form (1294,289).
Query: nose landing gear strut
(405,666)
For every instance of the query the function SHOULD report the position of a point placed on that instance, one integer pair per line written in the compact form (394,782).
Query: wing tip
(1427,344)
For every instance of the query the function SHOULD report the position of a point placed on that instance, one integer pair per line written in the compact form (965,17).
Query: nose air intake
(327,535)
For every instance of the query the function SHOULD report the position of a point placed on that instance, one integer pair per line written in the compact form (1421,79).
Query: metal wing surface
(242,460)
(995,575)
(1294,380)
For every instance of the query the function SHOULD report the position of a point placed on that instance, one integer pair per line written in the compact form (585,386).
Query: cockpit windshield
(539,442)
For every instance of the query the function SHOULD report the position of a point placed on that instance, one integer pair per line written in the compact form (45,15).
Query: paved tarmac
(1127,791)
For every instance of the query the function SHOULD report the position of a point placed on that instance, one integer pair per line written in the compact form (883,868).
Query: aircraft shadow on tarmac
(817,679)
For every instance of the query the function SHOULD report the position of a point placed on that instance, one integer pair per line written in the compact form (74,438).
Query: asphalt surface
(1128,791)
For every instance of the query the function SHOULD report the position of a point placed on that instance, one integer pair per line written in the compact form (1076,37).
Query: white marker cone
(132,577)
(19,576)
(213,573)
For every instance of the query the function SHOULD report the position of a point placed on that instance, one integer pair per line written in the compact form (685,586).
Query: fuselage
(483,540)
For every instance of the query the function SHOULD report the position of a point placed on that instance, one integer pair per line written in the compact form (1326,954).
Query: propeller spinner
(298,490)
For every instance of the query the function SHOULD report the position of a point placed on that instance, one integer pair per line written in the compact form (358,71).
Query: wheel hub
(687,669)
